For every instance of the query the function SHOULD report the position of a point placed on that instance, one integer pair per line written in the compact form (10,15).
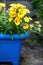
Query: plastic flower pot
(10,49)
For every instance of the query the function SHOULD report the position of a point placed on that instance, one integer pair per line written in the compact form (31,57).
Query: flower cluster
(39,26)
(16,20)
(17,13)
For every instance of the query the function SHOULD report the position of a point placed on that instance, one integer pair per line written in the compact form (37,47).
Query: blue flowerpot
(10,49)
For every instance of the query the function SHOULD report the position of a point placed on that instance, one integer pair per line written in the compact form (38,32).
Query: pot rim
(15,36)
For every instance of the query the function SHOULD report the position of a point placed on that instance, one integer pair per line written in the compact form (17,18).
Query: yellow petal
(17,22)
(3,4)
(10,19)
(26,26)
(30,18)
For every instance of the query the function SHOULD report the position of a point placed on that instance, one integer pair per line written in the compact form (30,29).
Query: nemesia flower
(39,29)
(39,25)
(31,25)
(37,22)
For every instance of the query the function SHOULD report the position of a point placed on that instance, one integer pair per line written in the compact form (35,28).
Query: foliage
(38,15)
(36,3)
(0,0)
(34,40)
(38,7)
(16,21)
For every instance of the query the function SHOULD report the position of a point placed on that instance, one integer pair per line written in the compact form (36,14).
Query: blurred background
(32,49)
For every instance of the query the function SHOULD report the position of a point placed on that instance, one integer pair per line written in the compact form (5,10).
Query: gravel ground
(31,56)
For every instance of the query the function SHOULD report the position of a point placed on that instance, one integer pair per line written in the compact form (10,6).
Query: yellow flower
(0,7)
(11,9)
(21,21)
(21,15)
(17,5)
(26,26)
(20,5)
(17,21)
(2,4)
(22,12)
(17,18)
(39,29)
(26,19)
(31,25)
(12,12)
(19,10)
(37,22)
(10,19)
(30,18)
(25,11)
(28,11)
